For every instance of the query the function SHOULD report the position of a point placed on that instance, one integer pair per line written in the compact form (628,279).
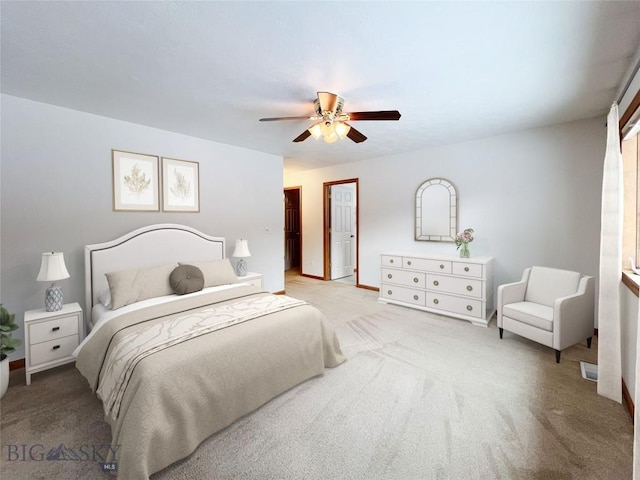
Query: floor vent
(589,371)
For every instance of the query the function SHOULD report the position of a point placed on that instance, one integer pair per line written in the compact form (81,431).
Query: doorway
(341,231)
(292,234)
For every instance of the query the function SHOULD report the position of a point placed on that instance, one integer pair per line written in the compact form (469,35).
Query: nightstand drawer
(54,328)
(52,350)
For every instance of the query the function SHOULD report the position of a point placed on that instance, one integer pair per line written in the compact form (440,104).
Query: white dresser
(453,286)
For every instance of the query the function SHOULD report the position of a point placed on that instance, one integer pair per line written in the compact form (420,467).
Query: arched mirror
(436,211)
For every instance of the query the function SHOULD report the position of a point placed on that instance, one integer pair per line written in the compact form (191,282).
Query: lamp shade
(52,267)
(242,248)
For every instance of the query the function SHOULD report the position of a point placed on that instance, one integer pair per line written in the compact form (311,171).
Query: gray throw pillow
(186,279)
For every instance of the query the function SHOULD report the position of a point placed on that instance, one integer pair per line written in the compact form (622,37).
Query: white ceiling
(455,70)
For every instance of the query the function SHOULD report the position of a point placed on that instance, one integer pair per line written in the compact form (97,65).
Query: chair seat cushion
(534,314)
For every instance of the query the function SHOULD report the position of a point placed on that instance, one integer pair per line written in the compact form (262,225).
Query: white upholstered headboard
(145,247)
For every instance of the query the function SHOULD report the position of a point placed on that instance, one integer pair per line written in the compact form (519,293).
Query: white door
(343,230)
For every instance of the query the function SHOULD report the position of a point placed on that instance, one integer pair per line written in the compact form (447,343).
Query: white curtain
(609,348)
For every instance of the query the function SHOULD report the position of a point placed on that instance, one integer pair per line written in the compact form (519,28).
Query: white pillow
(216,272)
(104,297)
(131,286)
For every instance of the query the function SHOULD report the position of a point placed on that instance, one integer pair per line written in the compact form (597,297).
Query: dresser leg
(501,330)
(28,375)
(557,356)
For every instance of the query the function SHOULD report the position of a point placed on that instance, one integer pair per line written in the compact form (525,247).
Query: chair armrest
(574,315)
(511,293)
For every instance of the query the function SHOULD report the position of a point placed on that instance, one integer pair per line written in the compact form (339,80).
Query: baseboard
(368,287)
(626,398)
(280,292)
(16,364)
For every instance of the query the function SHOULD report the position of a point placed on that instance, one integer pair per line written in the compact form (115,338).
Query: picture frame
(136,182)
(180,185)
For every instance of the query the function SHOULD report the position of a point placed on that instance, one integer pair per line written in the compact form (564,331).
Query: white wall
(533,198)
(56,194)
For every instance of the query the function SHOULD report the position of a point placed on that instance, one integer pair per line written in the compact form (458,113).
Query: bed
(171,370)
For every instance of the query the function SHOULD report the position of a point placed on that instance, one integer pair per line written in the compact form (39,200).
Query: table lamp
(52,269)
(241,251)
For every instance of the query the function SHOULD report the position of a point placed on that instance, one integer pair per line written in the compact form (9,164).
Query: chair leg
(501,330)
(589,342)
(557,356)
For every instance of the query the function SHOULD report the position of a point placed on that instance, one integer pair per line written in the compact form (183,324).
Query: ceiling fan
(331,121)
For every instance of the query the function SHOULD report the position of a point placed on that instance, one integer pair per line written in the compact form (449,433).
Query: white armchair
(549,306)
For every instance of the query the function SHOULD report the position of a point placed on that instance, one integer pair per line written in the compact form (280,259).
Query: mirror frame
(452,211)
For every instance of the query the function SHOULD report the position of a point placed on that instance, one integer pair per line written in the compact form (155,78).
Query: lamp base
(241,268)
(53,299)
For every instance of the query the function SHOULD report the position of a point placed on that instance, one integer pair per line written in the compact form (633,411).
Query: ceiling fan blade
(273,119)
(303,136)
(381,115)
(355,135)
(328,101)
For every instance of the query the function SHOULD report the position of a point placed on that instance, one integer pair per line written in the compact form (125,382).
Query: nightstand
(252,278)
(51,337)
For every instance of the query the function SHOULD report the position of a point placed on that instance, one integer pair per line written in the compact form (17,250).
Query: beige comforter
(180,395)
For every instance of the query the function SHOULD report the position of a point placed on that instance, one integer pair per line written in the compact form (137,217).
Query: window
(630,126)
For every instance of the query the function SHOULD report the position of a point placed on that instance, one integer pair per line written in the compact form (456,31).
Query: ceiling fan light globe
(327,129)
(342,129)
(316,131)
(333,138)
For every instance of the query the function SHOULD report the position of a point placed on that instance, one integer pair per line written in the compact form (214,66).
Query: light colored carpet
(420,397)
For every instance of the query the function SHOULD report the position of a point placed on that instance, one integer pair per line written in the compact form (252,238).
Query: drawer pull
(415,297)
(415,280)
(436,283)
(436,301)
(469,288)
(55,347)
(389,276)
(391,261)
(441,266)
(469,307)
(55,329)
(466,269)
(389,292)
(409,262)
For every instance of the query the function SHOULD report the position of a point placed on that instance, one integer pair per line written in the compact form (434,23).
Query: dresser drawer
(404,277)
(427,264)
(467,269)
(54,328)
(459,305)
(52,350)
(460,286)
(391,261)
(402,294)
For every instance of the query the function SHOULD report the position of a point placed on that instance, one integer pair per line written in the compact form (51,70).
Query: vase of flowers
(462,241)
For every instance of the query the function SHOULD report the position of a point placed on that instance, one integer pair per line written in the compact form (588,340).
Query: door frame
(326,226)
(299,188)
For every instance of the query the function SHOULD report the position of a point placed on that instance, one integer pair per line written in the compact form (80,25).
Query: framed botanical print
(180,185)
(136,182)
